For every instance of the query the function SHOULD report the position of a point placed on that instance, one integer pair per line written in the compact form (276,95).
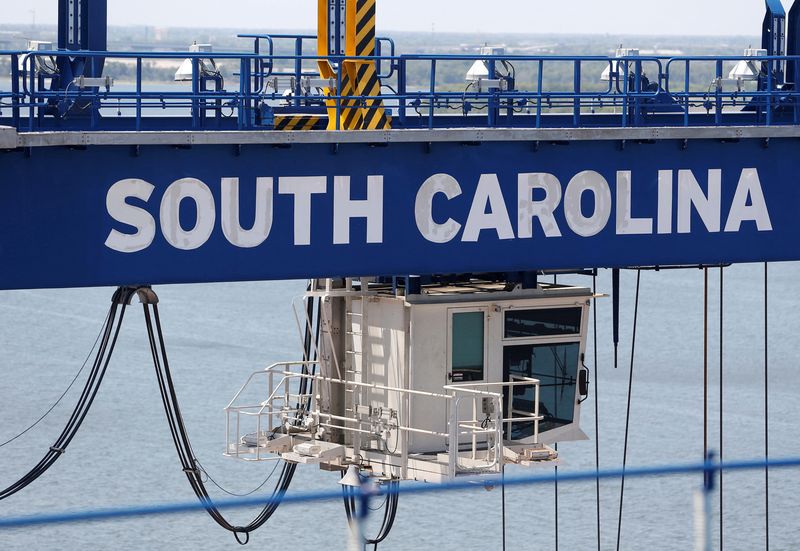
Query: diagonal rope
(105,350)
(628,414)
(64,394)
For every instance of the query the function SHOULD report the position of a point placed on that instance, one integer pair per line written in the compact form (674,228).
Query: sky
(681,17)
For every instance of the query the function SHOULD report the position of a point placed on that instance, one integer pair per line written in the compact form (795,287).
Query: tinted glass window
(556,368)
(467,346)
(542,323)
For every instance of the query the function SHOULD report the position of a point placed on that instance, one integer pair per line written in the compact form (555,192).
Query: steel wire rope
(628,413)
(705,364)
(596,412)
(721,399)
(64,394)
(110,334)
(555,485)
(766,403)
(503,501)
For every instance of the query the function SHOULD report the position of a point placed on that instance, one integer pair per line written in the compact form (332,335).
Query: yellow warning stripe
(359,78)
(368,84)
(298,122)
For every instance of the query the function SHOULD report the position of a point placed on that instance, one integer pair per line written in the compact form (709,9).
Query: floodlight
(612,69)
(748,69)
(206,67)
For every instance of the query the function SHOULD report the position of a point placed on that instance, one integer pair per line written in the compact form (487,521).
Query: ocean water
(218,334)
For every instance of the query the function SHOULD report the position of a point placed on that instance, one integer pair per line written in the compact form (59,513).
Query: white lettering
(423,208)
(690,194)
(626,223)
(345,209)
(749,186)
(488,194)
(664,202)
(231,226)
(174,233)
(124,213)
(528,209)
(302,188)
(587,181)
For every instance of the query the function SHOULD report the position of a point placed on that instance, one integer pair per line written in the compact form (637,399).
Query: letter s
(124,213)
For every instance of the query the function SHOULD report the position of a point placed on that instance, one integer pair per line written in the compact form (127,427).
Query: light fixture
(478,75)
(206,67)
(352,477)
(44,65)
(748,69)
(612,69)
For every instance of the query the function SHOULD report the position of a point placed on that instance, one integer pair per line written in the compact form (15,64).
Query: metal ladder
(356,360)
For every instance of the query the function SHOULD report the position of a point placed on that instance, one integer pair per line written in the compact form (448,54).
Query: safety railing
(252,425)
(481,398)
(290,408)
(420,91)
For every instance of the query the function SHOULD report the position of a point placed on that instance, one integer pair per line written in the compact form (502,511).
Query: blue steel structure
(667,163)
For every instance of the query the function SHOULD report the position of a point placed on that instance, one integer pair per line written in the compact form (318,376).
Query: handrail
(641,91)
(489,429)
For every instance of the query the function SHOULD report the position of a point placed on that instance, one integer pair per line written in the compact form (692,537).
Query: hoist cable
(721,398)
(555,496)
(596,412)
(108,341)
(705,365)
(628,413)
(503,501)
(64,394)
(766,401)
(180,436)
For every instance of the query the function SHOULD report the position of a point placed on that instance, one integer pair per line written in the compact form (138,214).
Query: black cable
(721,398)
(389,511)
(628,414)
(556,498)
(503,497)
(108,342)
(69,387)
(766,400)
(705,366)
(180,436)
(234,494)
(596,414)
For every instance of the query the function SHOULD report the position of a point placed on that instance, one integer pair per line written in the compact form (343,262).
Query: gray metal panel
(50,139)
(8,137)
(494,296)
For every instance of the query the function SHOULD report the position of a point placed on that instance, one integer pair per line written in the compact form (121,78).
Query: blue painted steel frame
(667,96)
(53,224)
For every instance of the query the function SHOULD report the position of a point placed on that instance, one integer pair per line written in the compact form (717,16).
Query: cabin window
(467,346)
(556,368)
(542,322)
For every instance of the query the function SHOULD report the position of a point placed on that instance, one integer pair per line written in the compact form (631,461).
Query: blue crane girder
(156,214)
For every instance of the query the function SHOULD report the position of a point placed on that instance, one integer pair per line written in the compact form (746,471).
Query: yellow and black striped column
(359,78)
(361,16)
(349,112)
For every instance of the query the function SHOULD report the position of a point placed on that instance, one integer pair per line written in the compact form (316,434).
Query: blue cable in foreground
(102,515)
